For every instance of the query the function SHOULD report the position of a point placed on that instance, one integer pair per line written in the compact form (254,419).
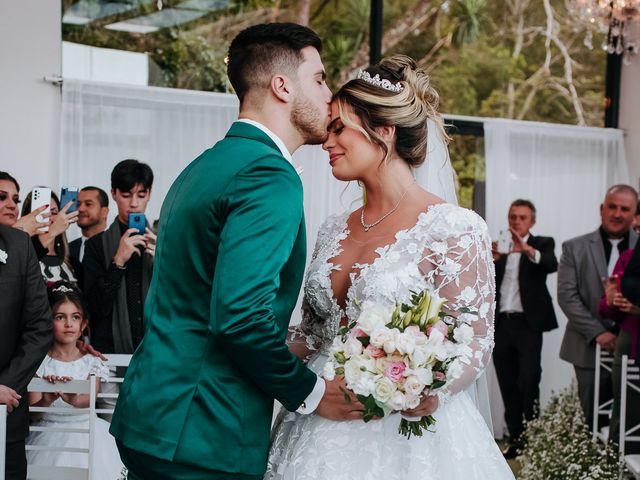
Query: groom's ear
(387,132)
(280,86)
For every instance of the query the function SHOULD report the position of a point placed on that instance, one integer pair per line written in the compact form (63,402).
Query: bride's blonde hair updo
(408,110)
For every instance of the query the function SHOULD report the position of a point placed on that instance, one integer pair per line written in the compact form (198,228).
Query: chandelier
(618,20)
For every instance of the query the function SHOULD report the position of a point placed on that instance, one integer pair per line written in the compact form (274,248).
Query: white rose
(413,386)
(424,375)
(381,364)
(411,401)
(419,356)
(352,347)
(384,389)
(389,345)
(380,336)
(352,371)
(397,401)
(455,370)
(405,343)
(373,317)
(365,385)
(463,334)
(329,371)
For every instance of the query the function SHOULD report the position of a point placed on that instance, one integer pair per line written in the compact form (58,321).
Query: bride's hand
(334,404)
(428,405)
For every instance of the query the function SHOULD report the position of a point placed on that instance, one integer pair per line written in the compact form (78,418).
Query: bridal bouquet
(389,358)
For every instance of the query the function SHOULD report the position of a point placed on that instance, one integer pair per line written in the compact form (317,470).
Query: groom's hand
(338,403)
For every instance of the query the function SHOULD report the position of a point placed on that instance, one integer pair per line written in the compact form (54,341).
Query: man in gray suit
(585,262)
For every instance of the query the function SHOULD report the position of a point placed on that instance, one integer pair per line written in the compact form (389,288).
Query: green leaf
(347,397)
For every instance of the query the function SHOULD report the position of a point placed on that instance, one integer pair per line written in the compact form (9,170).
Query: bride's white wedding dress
(448,251)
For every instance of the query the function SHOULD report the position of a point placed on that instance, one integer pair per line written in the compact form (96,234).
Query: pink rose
(374,352)
(356,332)
(394,371)
(439,376)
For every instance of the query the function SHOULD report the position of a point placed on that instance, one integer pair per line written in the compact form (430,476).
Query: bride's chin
(341,176)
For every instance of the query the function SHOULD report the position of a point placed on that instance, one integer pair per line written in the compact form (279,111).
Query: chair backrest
(3,438)
(629,379)
(604,361)
(59,472)
(117,364)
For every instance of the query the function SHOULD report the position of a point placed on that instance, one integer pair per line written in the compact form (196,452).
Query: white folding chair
(3,438)
(604,361)
(50,472)
(629,379)
(110,387)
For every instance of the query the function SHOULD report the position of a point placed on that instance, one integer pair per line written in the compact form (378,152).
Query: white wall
(85,62)
(30,48)
(630,114)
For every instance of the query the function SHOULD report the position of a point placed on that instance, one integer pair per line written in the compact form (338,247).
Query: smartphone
(69,194)
(505,241)
(41,196)
(139,221)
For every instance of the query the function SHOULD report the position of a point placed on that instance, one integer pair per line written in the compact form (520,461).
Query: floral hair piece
(378,82)
(63,289)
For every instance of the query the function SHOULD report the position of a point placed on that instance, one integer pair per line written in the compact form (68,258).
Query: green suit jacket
(229,263)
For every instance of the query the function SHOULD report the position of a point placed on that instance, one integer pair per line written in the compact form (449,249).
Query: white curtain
(104,123)
(565,171)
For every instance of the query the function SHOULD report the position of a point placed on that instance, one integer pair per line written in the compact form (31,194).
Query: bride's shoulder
(451,219)
(333,224)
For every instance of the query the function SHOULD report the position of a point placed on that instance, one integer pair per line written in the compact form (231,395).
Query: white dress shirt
(510,288)
(279,143)
(313,400)
(615,254)
(81,253)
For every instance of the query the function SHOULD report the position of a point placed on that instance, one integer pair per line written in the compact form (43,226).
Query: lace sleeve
(458,263)
(308,337)
(300,338)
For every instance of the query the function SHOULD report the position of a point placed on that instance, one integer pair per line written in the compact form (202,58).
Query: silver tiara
(63,289)
(378,82)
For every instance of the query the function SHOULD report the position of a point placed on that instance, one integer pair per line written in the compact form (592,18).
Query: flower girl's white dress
(106,460)
(448,251)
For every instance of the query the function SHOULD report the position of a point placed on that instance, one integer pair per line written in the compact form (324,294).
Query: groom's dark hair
(261,51)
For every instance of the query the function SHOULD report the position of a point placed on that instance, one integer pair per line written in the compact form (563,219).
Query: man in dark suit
(93,208)
(524,310)
(26,326)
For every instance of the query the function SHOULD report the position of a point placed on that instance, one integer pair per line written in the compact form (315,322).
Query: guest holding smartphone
(54,264)
(118,264)
(614,306)
(31,221)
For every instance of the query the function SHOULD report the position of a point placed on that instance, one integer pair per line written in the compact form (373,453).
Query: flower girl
(66,362)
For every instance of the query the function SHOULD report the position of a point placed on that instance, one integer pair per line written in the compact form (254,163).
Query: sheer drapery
(565,171)
(167,128)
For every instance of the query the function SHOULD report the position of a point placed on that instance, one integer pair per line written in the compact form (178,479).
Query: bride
(403,238)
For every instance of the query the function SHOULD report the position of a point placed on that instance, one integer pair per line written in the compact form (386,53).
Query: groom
(197,400)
